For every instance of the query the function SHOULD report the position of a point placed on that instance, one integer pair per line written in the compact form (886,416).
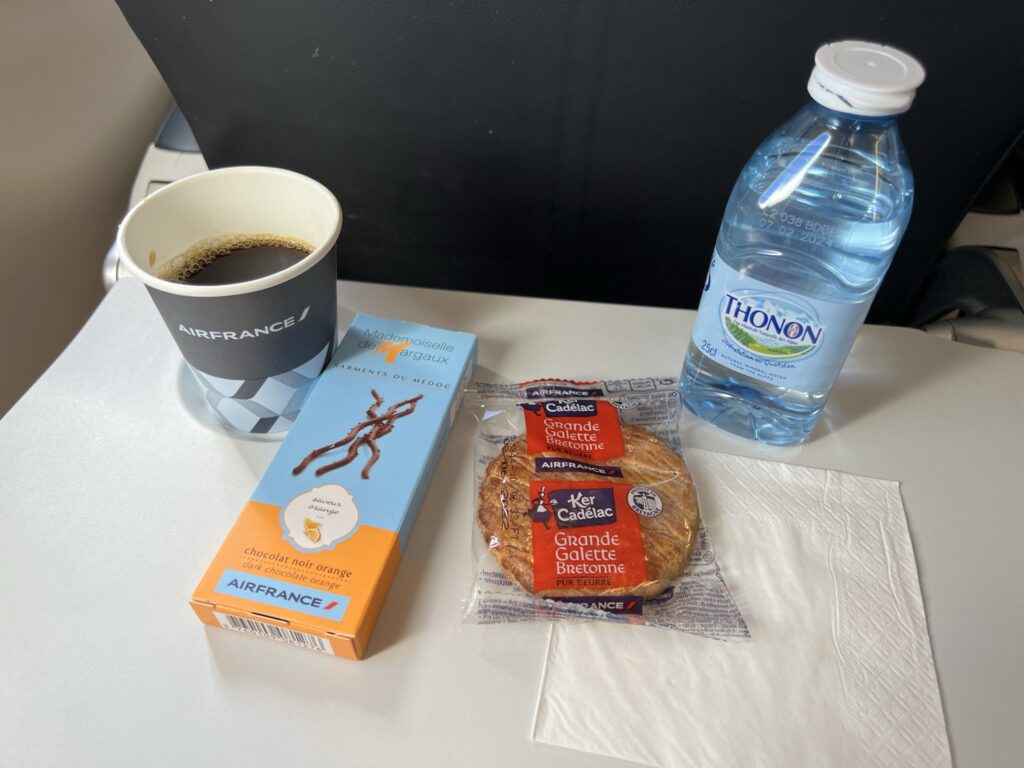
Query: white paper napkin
(839,671)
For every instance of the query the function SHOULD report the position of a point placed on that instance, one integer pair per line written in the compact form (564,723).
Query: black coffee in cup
(253,309)
(235,258)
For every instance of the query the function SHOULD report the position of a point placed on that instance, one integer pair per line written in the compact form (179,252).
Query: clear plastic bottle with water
(808,234)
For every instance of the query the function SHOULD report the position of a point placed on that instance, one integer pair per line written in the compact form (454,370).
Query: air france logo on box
(581,507)
(282,594)
(570,408)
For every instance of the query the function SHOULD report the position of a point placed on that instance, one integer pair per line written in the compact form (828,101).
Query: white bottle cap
(864,78)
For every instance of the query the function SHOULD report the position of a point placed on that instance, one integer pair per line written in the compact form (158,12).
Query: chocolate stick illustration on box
(376,427)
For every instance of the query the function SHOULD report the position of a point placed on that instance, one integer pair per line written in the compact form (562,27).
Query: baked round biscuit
(503,511)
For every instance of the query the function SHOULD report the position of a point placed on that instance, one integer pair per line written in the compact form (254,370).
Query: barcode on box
(274,632)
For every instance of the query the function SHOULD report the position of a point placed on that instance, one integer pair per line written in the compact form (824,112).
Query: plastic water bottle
(808,234)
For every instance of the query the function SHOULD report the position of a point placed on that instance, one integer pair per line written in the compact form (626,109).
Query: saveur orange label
(588,429)
(585,536)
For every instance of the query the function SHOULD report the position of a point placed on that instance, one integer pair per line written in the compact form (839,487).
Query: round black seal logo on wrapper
(644,501)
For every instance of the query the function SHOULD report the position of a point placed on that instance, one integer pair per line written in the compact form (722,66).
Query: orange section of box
(360,568)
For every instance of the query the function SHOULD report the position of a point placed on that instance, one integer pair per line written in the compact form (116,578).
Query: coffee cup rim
(246,286)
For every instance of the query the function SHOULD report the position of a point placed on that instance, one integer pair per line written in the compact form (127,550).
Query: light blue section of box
(436,363)
(282,594)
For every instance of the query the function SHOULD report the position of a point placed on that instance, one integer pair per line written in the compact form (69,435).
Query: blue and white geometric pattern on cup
(262,406)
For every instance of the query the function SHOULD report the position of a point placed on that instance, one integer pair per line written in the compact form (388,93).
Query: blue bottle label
(773,335)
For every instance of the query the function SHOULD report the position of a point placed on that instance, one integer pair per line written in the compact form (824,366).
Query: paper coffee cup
(256,347)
